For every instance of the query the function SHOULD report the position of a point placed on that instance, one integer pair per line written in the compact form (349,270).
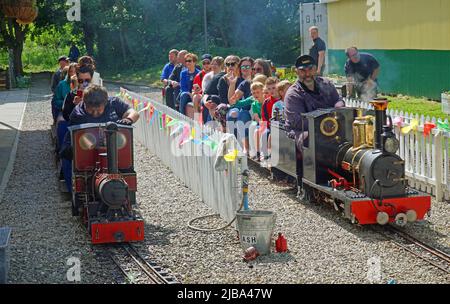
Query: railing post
(438,157)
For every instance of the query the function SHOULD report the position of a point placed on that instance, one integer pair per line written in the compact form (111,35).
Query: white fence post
(438,166)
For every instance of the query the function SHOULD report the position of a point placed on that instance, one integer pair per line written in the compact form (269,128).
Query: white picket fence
(192,163)
(426,158)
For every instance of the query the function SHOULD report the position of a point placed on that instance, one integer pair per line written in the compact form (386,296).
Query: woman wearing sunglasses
(242,90)
(187,81)
(232,72)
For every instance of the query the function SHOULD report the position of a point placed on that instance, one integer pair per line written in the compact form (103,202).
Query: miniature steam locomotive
(104,182)
(348,159)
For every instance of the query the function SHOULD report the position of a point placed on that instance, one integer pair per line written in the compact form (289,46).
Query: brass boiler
(363,131)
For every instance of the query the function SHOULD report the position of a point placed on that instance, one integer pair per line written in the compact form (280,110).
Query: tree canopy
(131,33)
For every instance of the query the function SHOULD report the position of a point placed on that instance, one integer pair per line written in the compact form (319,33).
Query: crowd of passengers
(232,91)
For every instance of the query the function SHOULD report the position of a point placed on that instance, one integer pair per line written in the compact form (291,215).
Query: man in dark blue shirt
(362,71)
(317,51)
(98,108)
(168,68)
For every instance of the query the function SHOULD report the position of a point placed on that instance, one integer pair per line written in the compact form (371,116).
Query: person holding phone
(84,78)
(232,72)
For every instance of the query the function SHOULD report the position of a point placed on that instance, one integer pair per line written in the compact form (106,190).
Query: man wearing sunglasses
(307,94)
(362,70)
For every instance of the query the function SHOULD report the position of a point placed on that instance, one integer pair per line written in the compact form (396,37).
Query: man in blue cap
(307,94)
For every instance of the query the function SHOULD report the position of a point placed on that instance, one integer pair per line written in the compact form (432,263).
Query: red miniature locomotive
(104,182)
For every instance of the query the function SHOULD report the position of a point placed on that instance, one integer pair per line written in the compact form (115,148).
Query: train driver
(309,93)
(98,108)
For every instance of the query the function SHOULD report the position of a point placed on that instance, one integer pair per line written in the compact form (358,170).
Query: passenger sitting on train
(88,60)
(197,88)
(254,103)
(278,107)
(307,94)
(187,82)
(62,90)
(262,133)
(84,77)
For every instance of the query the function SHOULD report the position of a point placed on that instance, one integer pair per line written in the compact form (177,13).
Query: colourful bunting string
(188,134)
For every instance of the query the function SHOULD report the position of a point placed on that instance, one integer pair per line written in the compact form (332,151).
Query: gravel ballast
(323,247)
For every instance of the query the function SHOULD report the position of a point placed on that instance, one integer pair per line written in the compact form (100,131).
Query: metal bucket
(255,229)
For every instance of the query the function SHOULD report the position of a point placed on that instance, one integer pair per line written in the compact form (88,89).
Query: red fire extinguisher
(281,243)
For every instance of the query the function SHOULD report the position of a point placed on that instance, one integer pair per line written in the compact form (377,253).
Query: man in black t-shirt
(362,71)
(317,51)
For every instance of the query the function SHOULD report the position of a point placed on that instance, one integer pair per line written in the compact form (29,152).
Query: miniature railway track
(416,247)
(136,268)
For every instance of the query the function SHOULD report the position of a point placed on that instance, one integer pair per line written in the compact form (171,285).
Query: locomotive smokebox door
(328,130)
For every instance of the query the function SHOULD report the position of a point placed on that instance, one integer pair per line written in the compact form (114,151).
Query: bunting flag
(231,156)
(168,120)
(160,121)
(177,130)
(212,144)
(412,127)
(154,117)
(163,120)
(398,121)
(427,127)
(145,108)
(184,136)
(151,111)
(172,122)
(443,125)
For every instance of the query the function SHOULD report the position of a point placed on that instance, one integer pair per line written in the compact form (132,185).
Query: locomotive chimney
(111,148)
(380,106)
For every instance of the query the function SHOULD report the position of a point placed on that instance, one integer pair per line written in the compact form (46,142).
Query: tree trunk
(89,39)
(122,45)
(18,65)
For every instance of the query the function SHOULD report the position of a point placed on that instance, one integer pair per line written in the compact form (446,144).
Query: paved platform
(12,107)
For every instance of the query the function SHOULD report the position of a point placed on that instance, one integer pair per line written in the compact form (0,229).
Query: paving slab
(12,107)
